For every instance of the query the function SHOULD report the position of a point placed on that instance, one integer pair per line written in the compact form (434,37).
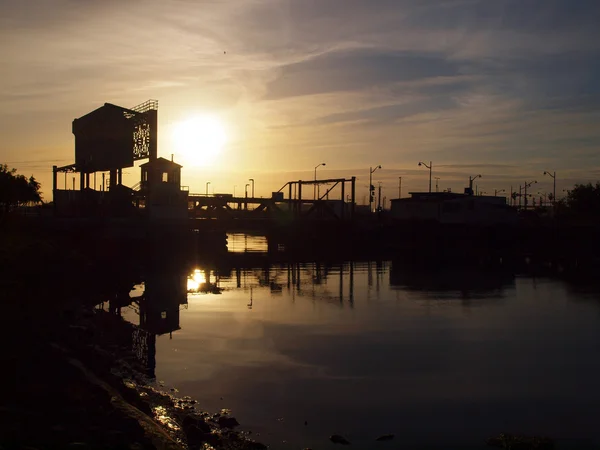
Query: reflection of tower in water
(159,313)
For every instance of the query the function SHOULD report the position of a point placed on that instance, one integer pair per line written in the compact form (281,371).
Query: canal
(441,358)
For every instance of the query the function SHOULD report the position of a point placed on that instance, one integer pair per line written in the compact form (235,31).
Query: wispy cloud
(504,87)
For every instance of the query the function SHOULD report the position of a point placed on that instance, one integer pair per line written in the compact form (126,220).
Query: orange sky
(507,89)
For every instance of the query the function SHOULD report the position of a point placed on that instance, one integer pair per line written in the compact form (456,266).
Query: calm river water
(440,359)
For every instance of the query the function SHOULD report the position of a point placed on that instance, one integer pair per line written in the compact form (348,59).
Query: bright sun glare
(199,140)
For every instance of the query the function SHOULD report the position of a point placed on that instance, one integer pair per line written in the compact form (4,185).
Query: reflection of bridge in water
(153,301)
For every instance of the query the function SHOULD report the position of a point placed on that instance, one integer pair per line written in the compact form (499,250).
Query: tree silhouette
(17,190)
(584,200)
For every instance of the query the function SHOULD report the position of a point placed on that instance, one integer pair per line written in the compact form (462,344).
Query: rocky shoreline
(79,385)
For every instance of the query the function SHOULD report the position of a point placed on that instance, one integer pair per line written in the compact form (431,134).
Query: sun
(199,140)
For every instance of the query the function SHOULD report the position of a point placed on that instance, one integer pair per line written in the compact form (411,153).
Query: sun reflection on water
(195,280)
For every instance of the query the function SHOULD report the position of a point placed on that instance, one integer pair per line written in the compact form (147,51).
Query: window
(163,315)
(165,177)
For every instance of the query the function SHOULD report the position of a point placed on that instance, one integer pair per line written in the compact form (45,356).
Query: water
(440,359)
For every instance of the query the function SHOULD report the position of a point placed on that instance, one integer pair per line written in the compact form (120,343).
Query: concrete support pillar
(54,177)
(343,199)
(299,198)
(81,181)
(353,197)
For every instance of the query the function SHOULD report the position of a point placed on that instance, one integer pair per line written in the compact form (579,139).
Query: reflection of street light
(471,179)
(371,187)
(207,183)
(421,163)
(553,175)
(251,180)
(315,186)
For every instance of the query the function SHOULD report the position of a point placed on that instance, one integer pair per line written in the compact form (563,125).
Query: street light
(525,186)
(251,180)
(246,190)
(315,186)
(471,179)
(421,163)
(371,187)
(553,175)
(496,192)
(399,187)
(207,183)
(436,183)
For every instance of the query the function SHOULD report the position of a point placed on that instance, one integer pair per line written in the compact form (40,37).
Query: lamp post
(496,192)
(436,183)
(371,187)
(251,180)
(315,186)
(399,187)
(553,175)
(246,196)
(207,183)
(471,179)
(525,186)
(421,163)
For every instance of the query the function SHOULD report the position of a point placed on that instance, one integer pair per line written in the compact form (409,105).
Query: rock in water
(337,439)
(227,422)
(385,437)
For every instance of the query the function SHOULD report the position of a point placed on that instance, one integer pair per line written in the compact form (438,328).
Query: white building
(454,208)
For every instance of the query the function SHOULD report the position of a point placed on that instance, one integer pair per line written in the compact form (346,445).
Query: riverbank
(77,384)
(71,378)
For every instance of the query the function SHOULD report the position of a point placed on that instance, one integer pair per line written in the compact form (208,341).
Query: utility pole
(251,180)
(525,188)
(436,184)
(421,163)
(553,175)
(371,187)
(520,195)
(471,179)
(379,198)
(399,187)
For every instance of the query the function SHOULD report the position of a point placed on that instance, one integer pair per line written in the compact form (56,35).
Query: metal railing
(148,105)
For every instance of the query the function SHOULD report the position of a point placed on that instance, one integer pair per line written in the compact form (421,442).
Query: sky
(507,88)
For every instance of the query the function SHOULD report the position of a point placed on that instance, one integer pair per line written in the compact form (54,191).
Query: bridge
(226,206)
